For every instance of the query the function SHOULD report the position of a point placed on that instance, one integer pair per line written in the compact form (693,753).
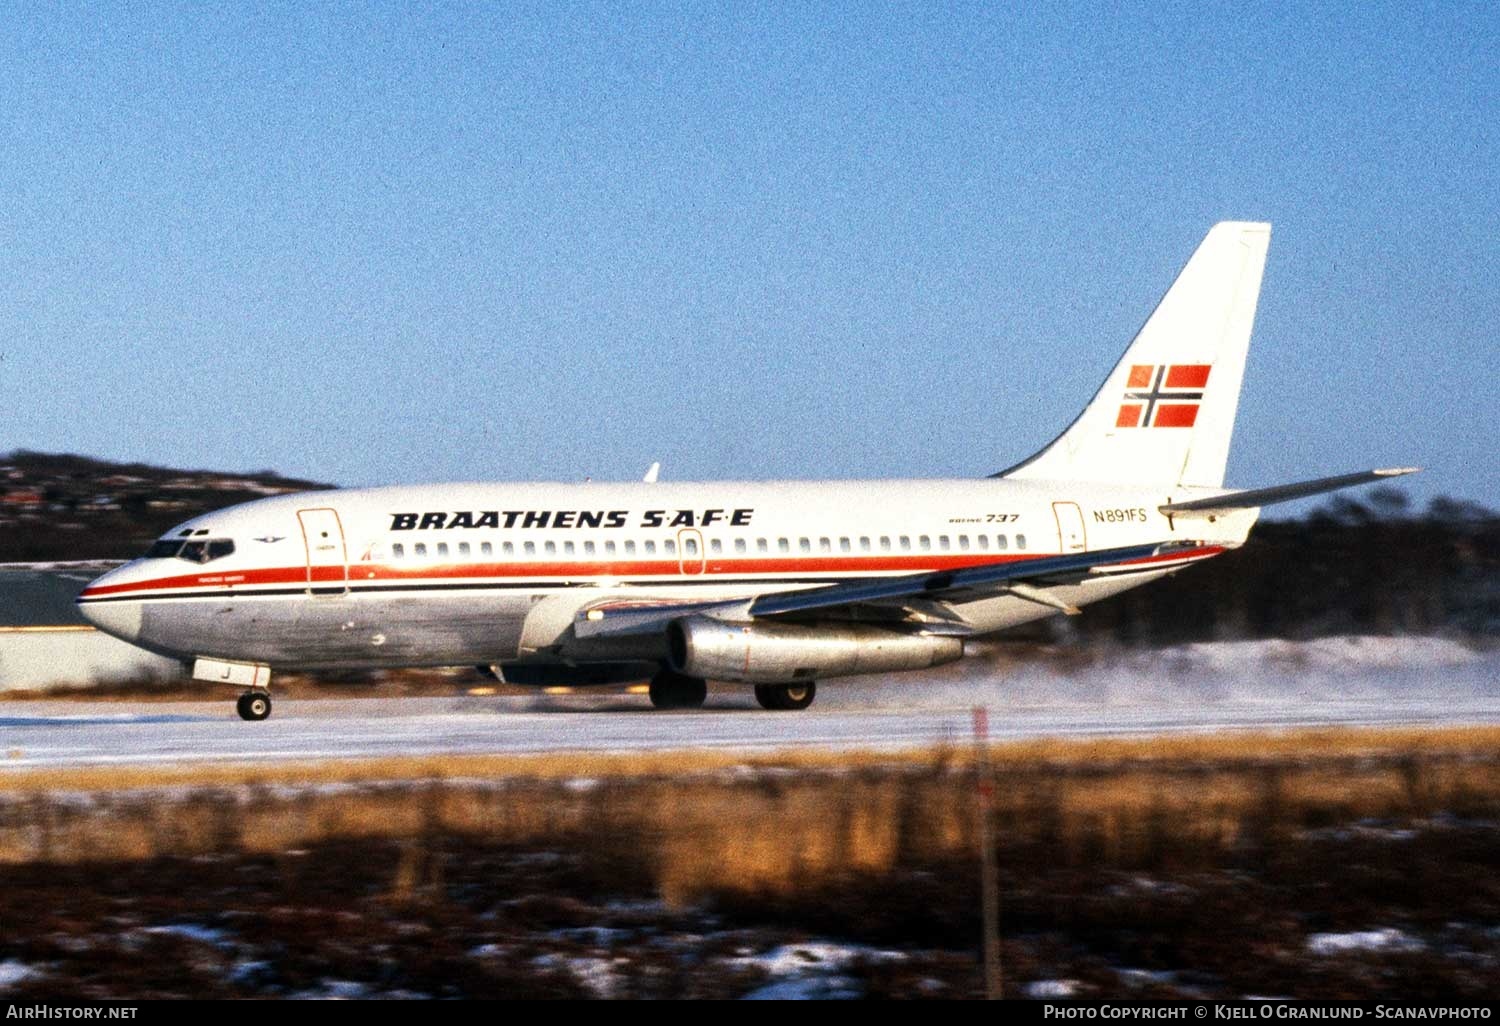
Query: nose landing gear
(254,705)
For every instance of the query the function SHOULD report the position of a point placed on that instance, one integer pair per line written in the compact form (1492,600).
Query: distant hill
(60,506)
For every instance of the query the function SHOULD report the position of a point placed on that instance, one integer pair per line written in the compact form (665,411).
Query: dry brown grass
(1236,748)
(717,822)
(1216,854)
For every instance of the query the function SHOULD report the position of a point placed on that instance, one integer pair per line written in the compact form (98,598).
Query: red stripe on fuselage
(364,573)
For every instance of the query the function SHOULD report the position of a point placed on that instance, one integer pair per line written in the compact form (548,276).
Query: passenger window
(689,547)
(844,545)
(716,546)
(740,545)
(550,548)
(1020,541)
(669,547)
(509,548)
(530,548)
(568,549)
(805,544)
(630,548)
(588,548)
(963,543)
(762,545)
(650,548)
(609,548)
(943,542)
(442,550)
(885,543)
(398,551)
(486,549)
(420,550)
(463,549)
(906,543)
(824,545)
(783,545)
(864,545)
(925,543)
(1002,542)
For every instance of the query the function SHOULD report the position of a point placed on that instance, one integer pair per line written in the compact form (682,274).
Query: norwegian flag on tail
(1163,395)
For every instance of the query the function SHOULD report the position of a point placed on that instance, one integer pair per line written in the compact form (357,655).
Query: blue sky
(380,243)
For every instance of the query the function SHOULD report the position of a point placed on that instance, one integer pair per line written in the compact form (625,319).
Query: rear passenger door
(1071,536)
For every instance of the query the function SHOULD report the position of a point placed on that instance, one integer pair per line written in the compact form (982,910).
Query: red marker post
(984,796)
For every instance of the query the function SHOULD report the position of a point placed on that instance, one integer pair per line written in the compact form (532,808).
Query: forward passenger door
(327,553)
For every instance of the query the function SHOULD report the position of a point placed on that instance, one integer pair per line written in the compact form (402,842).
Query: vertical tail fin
(1166,412)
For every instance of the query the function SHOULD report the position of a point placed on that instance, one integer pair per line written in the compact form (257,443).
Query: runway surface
(72,734)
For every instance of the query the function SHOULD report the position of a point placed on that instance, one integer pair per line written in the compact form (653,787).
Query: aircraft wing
(920,591)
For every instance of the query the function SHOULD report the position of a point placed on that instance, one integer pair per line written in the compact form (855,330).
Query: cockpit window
(194,551)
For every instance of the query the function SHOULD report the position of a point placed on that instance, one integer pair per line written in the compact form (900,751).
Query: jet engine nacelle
(781,653)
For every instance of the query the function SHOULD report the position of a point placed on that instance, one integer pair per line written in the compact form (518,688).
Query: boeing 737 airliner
(776,585)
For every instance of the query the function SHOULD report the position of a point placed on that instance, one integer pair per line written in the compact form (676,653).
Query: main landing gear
(677,691)
(786,697)
(670,690)
(254,705)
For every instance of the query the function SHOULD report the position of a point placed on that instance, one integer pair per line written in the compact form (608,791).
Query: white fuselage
(436,575)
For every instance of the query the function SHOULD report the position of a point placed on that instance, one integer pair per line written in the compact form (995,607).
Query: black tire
(677,691)
(254,705)
(786,697)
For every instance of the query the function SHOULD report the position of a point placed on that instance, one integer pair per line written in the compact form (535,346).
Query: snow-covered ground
(1261,672)
(1193,688)
(13,973)
(1384,939)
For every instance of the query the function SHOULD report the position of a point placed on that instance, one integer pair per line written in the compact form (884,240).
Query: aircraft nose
(118,617)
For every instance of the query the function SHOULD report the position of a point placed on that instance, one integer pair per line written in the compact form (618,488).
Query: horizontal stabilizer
(1256,497)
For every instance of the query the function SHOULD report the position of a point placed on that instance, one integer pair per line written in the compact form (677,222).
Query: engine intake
(779,653)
